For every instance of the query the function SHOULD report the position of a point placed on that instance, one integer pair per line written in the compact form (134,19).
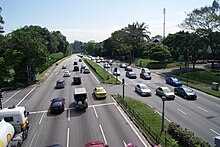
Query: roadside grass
(152,64)
(201,80)
(103,75)
(149,116)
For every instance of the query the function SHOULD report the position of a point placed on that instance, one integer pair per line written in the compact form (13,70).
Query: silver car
(143,90)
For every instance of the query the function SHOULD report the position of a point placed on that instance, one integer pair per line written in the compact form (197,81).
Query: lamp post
(1,98)
(163,100)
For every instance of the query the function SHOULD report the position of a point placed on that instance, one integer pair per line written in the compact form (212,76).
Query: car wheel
(185,96)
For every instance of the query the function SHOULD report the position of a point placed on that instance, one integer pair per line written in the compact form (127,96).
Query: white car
(143,70)
(123,65)
(143,90)
(117,73)
(106,65)
(67,73)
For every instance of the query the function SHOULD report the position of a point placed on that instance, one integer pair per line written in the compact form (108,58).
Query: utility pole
(163,100)
(1,98)
(123,89)
(164,13)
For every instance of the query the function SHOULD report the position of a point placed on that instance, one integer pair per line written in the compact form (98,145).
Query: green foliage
(185,137)
(159,53)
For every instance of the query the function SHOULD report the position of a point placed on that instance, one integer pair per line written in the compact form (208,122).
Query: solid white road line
(95,112)
(203,109)
(182,111)
(68,137)
(41,118)
(125,144)
(33,139)
(26,95)
(164,117)
(215,132)
(11,97)
(135,131)
(100,126)
(37,112)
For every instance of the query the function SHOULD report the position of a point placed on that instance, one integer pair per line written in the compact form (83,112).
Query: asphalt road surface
(103,120)
(201,116)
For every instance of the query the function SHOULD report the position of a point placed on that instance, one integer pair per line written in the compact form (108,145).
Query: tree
(136,36)
(159,52)
(203,18)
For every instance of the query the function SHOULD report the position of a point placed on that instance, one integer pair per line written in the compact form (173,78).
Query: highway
(201,116)
(103,120)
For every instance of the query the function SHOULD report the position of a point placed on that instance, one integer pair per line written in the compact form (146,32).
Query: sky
(86,20)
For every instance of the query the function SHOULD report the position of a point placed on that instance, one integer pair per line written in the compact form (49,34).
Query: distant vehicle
(96,144)
(165,91)
(100,92)
(80,60)
(64,66)
(76,80)
(98,61)
(83,66)
(116,73)
(57,105)
(106,65)
(75,63)
(67,74)
(173,81)
(143,90)
(60,83)
(128,68)
(86,71)
(145,76)
(110,62)
(123,65)
(76,68)
(131,74)
(185,92)
(143,70)
(80,97)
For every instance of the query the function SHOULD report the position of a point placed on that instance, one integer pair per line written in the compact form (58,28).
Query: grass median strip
(103,75)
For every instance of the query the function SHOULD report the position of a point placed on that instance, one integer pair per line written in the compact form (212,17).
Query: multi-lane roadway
(103,120)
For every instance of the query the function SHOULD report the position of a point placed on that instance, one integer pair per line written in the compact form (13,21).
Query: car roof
(164,87)
(58,99)
(60,80)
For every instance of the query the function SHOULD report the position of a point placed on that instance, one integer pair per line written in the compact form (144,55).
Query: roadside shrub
(185,137)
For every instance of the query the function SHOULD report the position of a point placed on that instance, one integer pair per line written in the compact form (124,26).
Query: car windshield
(80,97)
(166,90)
(146,74)
(132,73)
(143,87)
(175,79)
(188,90)
(100,90)
(56,104)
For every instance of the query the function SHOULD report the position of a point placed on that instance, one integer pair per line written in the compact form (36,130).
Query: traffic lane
(84,127)
(16,97)
(116,128)
(52,130)
(176,112)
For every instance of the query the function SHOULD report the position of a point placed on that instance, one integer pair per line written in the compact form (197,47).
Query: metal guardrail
(142,123)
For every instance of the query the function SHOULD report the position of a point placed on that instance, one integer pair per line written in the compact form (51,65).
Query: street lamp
(163,100)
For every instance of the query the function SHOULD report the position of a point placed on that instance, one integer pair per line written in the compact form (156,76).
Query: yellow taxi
(100,92)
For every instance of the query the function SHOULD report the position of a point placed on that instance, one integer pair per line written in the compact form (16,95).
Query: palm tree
(137,34)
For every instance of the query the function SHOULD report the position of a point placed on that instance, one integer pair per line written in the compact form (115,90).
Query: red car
(96,144)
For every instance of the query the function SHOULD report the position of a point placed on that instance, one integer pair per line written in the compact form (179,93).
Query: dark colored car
(80,60)
(145,76)
(131,75)
(185,92)
(76,68)
(75,63)
(57,105)
(64,66)
(76,80)
(173,81)
(60,83)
